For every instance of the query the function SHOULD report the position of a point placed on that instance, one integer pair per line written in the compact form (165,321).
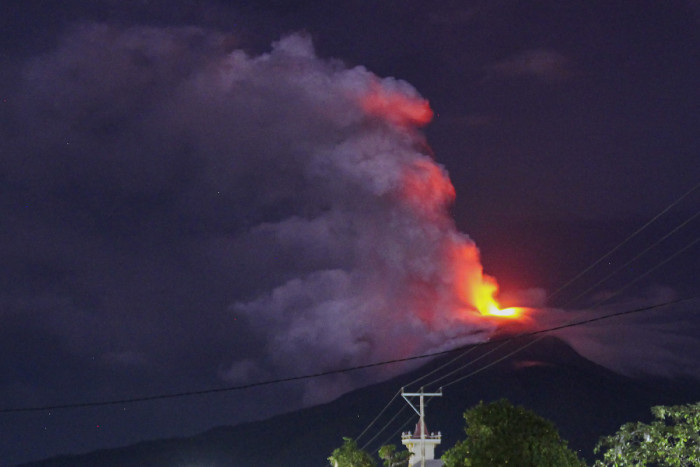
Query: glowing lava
(511,312)
(476,288)
(487,304)
(428,191)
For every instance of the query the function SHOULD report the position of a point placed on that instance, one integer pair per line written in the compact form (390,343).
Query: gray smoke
(183,210)
(278,213)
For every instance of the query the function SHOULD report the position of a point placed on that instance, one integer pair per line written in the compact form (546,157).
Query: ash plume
(280,212)
(216,216)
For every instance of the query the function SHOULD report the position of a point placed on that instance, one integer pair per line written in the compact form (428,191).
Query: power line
(332,372)
(462,355)
(649,271)
(639,255)
(528,344)
(489,365)
(385,426)
(542,335)
(570,323)
(498,360)
(408,421)
(470,363)
(556,292)
(619,245)
(396,394)
(567,324)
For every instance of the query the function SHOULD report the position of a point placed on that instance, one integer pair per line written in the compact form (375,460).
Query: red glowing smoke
(427,189)
(397,107)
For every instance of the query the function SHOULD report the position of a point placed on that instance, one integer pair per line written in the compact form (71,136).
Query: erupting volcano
(195,201)
(428,191)
(375,266)
(476,290)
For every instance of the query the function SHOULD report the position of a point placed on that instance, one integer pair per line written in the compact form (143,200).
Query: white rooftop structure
(421,443)
(422,447)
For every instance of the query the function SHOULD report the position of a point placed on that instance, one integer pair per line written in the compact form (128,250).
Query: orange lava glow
(427,190)
(487,304)
(396,107)
(513,312)
(478,289)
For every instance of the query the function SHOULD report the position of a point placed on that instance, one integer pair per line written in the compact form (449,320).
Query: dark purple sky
(185,206)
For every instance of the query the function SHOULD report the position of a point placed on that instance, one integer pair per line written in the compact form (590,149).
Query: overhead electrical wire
(434,382)
(501,342)
(563,287)
(420,378)
(269,382)
(607,298)
(461,349)
(647,272)
(542,335)
(636,257)
(534,341)
(528,344)
(444,365)
(630,237)
(616,293)
(385,426)
(408,421)
(468,364)
(396,394)
(387,439)
(498,360)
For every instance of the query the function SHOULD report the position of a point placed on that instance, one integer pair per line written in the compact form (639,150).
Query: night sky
(198,194)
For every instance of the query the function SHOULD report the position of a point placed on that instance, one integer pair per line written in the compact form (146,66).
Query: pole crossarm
(421,413)
(406,395)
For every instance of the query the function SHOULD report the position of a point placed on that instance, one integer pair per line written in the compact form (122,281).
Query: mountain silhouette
(583,399)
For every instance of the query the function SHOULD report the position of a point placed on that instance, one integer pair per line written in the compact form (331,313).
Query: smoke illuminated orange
(426,187)
(396,106)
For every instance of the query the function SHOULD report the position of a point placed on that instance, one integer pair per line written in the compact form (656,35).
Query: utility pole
(421,413)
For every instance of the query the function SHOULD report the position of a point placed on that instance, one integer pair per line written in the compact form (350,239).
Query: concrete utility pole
(421,413)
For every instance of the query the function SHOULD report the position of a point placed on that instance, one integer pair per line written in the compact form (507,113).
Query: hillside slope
(583,399)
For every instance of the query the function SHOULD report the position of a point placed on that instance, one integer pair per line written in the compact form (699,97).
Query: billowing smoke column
(383,273)
(181,173)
